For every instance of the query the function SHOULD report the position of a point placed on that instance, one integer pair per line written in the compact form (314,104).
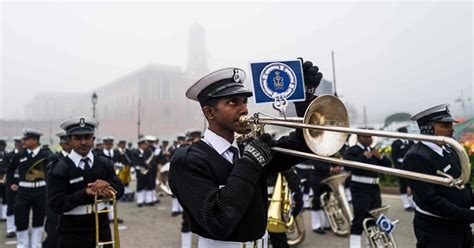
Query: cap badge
(82,122)
(236,76)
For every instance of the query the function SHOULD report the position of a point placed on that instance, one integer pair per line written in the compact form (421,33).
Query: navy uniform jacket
(22,162)
(399,149)
(355,153)
(227,201)
(447,202)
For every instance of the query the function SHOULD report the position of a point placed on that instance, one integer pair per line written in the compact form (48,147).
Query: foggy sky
(390,56)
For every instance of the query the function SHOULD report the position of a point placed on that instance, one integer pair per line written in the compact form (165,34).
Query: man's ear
(209,112)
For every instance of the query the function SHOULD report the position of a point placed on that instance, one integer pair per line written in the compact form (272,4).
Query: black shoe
(140,205)
(174,214)
(409,209)
(319,231)
(11,234)
(327,228)
(157,201)
(151,204)
(120,221)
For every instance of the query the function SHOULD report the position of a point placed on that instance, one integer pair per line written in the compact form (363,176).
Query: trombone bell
(326,111)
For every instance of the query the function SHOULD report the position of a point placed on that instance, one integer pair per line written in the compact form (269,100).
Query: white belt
(363,179)
(304,166)
(418,209)
(16,175)
(36,184)
(85,209)
(210,243)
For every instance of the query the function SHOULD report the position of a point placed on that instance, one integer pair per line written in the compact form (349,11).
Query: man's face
(365,140)
(121,145)
(65,146)
(30,143)
(143,145)
(443,129)
(227,112)
(81,144)
(108,145)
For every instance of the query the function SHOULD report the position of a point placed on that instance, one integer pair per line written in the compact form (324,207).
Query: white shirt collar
(217,142)
(64,153)
(362,146)
(109,152)
(76,158)
(35,151)
(436,148)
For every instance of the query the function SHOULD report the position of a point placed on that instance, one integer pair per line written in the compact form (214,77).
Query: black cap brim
(232,91)
(446,119)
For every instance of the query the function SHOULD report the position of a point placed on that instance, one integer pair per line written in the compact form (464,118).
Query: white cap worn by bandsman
(151,138)
(31,133)
(438,113)
(221,83)
(79,126)
(16,138)
(107,139)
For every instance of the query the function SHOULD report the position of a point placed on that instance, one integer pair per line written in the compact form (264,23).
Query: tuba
(280,219)
(336,206)
(376,236)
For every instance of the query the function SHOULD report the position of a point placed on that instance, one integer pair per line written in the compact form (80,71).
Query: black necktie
(235,153)
(86,163)
(30,154)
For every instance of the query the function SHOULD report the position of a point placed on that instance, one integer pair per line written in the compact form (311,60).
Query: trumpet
(115,242)
(326,126)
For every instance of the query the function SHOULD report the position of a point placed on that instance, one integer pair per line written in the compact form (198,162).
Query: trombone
(115,242)
(326,126)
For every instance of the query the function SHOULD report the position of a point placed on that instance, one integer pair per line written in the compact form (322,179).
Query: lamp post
(94,102)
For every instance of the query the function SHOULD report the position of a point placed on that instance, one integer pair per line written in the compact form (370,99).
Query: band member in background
(31,163)
(399,149)
(322,170)
(114,155)
(223,190)
(176,208)
(141,160)
(280,240)
(442,214)
(365,188)
(75,180)
(98,145)
(51,223)
(304,172)
(124,173)
(11,192)
(155,165)
(3,173)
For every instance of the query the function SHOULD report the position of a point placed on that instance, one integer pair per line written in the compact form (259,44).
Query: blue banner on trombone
(278,79)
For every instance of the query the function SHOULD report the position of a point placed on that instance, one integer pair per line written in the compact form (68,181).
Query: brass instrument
(36,171)
(115,242)
(280,219)
(326,126)
(336,206)
(376,236)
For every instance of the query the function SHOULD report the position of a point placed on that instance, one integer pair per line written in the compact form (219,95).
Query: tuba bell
(376,236)
(336,206)
(280,219)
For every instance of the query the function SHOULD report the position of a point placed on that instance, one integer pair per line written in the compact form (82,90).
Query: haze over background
(390,56)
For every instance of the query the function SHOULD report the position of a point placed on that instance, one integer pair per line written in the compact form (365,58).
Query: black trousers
(11,195)
(278,240)
(79,231)
(147,181)
(186,224)
(3,193)
(26,200)
(365,197)
(403,185)
(50,227)
(318,190)
(434,232)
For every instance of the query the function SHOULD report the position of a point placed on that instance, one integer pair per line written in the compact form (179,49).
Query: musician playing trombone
(74,182)
(221,184)
(442,214)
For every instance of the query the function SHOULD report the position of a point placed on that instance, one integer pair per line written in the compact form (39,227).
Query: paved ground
(150,227)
